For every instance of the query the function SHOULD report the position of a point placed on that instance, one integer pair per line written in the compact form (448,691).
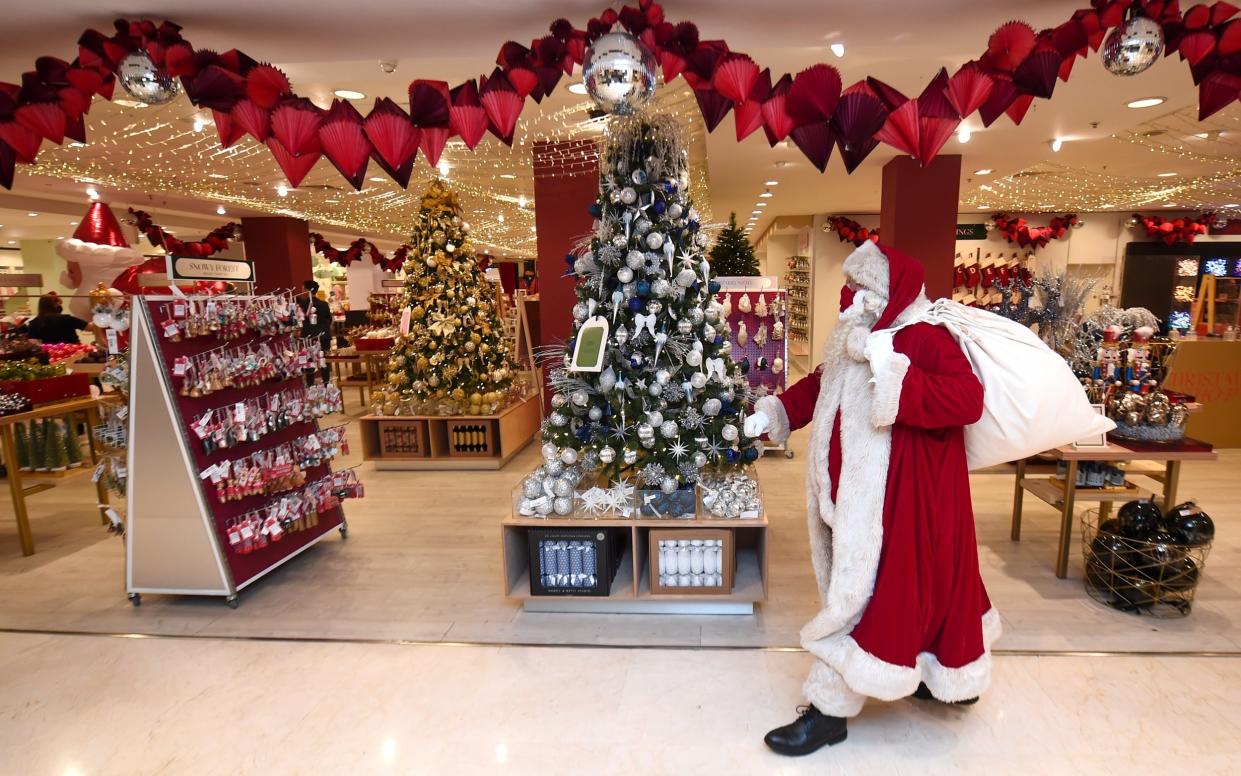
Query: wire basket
(1154,578)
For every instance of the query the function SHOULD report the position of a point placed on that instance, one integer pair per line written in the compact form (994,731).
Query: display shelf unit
(449,441)
(631,589)
(799,290)
(732,289)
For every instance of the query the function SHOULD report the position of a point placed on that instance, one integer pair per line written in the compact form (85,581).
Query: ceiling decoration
(1082,186)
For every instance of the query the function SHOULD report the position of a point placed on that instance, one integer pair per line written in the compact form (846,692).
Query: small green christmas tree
(733,256)
(23,446)
(73,448)
(57,457)
(38,445)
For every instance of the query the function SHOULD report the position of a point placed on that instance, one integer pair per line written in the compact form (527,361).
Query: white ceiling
(903,42)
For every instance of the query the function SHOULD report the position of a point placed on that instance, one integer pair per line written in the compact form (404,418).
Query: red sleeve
(940,389)
(799,399)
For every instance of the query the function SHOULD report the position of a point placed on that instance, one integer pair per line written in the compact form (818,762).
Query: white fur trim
(888,380)
(868,268)
(92,254)
(846,672)
(773,408)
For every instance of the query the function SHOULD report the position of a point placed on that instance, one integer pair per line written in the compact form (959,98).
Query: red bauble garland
(1019,231)
(849,230)
(355,251)
(215,241)
(1175,230)
(249,97)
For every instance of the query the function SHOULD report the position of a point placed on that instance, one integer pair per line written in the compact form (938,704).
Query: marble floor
(98,706)
(422,564)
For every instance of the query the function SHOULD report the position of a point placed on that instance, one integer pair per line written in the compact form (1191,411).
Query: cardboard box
(690,554)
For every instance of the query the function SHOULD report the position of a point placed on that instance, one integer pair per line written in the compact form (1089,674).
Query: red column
(280,249)
(566,181)
(919,215)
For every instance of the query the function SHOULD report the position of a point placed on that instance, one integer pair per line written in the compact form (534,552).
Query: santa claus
(904,611)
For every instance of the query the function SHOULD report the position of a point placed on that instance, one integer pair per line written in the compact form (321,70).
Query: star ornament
(596,501)
(621,498)
(678,449)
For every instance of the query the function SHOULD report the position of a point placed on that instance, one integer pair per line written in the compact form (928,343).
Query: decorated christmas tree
(732,255)
(454,358)
(647,391)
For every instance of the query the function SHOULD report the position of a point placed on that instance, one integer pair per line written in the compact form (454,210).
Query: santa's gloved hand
(757,424)
(879,352)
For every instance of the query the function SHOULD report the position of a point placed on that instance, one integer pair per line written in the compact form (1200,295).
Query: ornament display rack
(630,591)
(175,537)
(799,288)
(449,442)
(732,289)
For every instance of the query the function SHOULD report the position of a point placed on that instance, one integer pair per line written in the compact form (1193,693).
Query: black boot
(924,693)
(811,731)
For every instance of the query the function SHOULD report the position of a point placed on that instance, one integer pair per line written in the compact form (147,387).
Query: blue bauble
(635,304)
(669,187)
(659,207)
(693,226)
(713,288)
(595,210)
(635,363)
(644,288)
(750,454)
(570,259)
(570,344)
(612,283)
(726,406)
(731,455)
(719,341)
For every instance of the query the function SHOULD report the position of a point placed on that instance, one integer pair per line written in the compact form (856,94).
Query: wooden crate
(473,438)
(725,568)
(400,438)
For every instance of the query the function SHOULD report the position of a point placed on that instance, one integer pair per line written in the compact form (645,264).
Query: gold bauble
(476,398)
(418,313)
(475,338)
(483,348)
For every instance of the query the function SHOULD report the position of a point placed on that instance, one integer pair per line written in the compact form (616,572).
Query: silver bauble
(619,73)
(607,380)
(614,196)
(558,401)
(645,431)
(580,397)
(711,407)
(655,417)
(668,429)
(544,507)
(562,487)
(563,506)
(624,275)
(655,389)
(662,376)
(621,335)
(628,195)
(641,226)
(655,240)
(686,278)
(694,357)
(661,288)
(713,314)
(554,468)
(639,177)
(684,326)
(698,380)
(1133,46)
(729,432)
(558,419)
(634,259)
(668,485)
(550,451)
(629,290)
(569,456)
(532,488)
(675,211)
(607,455)
(580,312)
(700,459)
(708,333)
(654,306)
(630,457)
(697,315)
(619,241)
(595,414)
(701,239)
(145,82)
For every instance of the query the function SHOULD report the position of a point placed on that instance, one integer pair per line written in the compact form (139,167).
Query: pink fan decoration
(266,85)
(295,166)
(22,139)
(502,104)
(1010,45)
(814,94)
(714,106)
(969,88)
(296,125)
(901,130)
(344,143)
(255,121)
(466,115)
(394,138)
(432,143)
(748,115)
(735,76)
(228,130)
(776,120)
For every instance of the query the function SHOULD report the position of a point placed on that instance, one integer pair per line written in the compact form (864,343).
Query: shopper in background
(904,611)
(52,326)
(318,323)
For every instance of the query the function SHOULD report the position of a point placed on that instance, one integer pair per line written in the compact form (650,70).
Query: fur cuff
(889,370)
(970,680)
(773,408)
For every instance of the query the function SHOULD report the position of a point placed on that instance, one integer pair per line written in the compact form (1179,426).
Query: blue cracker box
(681,503)
(575,561)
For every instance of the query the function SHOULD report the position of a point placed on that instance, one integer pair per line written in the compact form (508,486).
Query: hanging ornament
(630,457)
(145,82)
(607,455)
(1133,46)
(619,73)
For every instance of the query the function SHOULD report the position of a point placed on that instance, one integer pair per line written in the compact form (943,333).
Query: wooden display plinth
(412,442)
(631,589)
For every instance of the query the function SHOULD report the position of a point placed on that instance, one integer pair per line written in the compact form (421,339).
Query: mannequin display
(904,611)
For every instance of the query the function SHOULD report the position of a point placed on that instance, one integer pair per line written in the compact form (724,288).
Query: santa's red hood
(887,271)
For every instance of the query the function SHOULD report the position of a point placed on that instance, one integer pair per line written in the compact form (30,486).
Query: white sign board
(191,268)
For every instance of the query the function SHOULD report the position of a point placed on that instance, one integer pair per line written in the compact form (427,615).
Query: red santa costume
(897,566)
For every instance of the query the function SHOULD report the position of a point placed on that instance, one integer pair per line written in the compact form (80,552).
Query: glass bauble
(1133,46)
(145,82)
(619,73)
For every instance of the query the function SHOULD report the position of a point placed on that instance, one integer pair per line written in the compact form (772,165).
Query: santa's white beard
(847,342)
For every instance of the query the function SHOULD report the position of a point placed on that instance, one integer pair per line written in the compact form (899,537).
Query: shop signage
(971,231)
(392,283)
(190,268)
(760,283)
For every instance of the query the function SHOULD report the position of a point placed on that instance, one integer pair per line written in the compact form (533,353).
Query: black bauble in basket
(1155,571)
(1189,524)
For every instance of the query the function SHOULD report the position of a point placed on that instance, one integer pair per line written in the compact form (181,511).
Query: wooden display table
(86,405)
(413,442)
(369,368)
(631,588)
(1064,494)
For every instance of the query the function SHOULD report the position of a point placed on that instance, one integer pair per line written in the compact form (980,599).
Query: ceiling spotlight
(1146,102)
(349,94)
(12,242)
(766,195)
(282,190)
(756,212)
(521,200)
(772,183)
(71,223)
(220,209)
(199,123)
(1169,204)
(1231,205)
(32,214)
(92,192)
(444,167)
(577,87)
(500,218)
(983,171)
(984,207)
(387,65)
(838,49)
(129,103)
(964,134)
(508,176)
(1166,175)
(77,144)
(1056,145)
(376,179)
(760,204)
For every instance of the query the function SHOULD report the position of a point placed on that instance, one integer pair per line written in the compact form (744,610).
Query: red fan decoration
(400,173)
(858,116)
(1003,93)
(813,95)
(466,115)
(179,60)
(714,106)
(252,119)
(295,166)
(432,143)
(749,114)
(87,79)
(344,143)
(1010,45)
(1036,75)
(22,139)
(701,63)
(502,105)
(395,139)
(815,141)
(1196,46)
(776,120)
(75,129)
(73,101)
(229,130)
(215,88)
(296,125)
(8,164)
(901,130)
(1017,111)
(266,85)
(44,118)
(969,88)
(428,103)
(1230,38)
(735,76)
(848,230)
(1216,92)
(891,98)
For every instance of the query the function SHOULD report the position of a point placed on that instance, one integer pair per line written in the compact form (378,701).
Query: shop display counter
(411,442)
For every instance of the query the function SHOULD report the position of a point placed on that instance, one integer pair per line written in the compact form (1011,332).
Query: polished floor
(98,706)
(422,564)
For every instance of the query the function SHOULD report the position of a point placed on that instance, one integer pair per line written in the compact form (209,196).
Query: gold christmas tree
(455,358)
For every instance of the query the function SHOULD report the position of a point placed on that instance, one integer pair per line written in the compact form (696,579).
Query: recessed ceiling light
(199,123)
(760,204)
(92,192)
(984,207)
(77,144)
(129,103)
(838,49)
(983,171)
(766,195)
(1232,205)
(12,242)
(349,94)
(755,212)
(1056,145)
(220,209)
(376,179)
(444,167)
(1166,175)
(772,183)
(282,190)
(577,87)
(71,223)
(964,134)
(508,176)
(32,214)
(1169,204)
(1146,102)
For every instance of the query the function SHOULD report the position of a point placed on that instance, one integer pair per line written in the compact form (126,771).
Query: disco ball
(145,82)
(619,73)
(1133,46)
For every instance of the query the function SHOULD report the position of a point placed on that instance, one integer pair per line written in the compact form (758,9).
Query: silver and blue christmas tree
(645,390)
